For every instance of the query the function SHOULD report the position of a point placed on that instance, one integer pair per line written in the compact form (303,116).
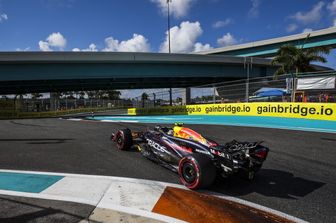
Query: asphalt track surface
(298,178)
(22,209)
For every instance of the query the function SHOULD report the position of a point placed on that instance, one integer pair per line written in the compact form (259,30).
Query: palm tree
(296,60)
(81,94)
(113,95)
(144,97)
(99,94)
(90,94)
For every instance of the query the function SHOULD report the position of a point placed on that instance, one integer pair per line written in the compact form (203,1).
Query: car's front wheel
(196,171)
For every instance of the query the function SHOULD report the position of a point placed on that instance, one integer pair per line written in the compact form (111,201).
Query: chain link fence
(261,89)
(45,104)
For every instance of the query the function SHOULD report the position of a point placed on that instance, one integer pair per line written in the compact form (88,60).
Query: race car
(196,159)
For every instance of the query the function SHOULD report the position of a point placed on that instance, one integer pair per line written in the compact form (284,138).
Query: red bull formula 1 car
(196,159)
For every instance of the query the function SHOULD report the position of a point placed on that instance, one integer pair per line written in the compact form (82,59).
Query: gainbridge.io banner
(318,111)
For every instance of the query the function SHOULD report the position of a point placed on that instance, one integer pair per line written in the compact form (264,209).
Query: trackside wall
(316,111)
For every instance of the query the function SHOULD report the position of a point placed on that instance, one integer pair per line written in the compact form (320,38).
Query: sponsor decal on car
(156,146)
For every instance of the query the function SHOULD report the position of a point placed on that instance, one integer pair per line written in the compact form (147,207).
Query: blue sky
(141,25)
(83,22)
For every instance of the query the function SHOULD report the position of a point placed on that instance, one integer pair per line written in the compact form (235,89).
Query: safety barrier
(317,111)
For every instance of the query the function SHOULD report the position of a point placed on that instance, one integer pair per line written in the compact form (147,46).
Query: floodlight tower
(169,1)
(169,50)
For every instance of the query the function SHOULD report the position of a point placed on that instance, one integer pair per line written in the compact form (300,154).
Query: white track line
(126,121)
(74,119)
(132,196)
(298,128)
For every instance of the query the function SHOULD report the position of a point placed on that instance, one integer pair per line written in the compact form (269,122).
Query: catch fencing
(45,104)
(260,89)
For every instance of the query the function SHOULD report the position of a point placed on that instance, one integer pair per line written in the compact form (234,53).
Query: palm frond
(318,50)
(317,58)
(281,70)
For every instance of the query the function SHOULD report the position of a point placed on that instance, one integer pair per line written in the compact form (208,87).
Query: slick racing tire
(124,139)
(196,171)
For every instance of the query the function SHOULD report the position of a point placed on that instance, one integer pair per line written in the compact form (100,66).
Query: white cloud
(222,23)
(3,17)
(227,40)
(25,49)
(92,48)
(254,11)
(312,16)
(332,7)
(198,47)
(44,46)
(111,44)
(183,38)
(178,8)
(307,30)
(137,44)
(291,28)
(334,22)
(54,40)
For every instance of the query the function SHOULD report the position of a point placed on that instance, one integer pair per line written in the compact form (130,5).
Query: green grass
(11,114)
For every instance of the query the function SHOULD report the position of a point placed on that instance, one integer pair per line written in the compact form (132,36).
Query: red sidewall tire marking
(193,162)
(120,134)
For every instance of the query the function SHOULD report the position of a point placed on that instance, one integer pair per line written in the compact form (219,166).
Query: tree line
(95,94)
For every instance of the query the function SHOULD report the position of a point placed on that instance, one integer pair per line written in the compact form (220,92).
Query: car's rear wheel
(124,139)
(196,171)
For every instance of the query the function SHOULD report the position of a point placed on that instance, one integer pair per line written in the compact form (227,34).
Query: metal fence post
(214,95)
(293,88)
(248,66)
